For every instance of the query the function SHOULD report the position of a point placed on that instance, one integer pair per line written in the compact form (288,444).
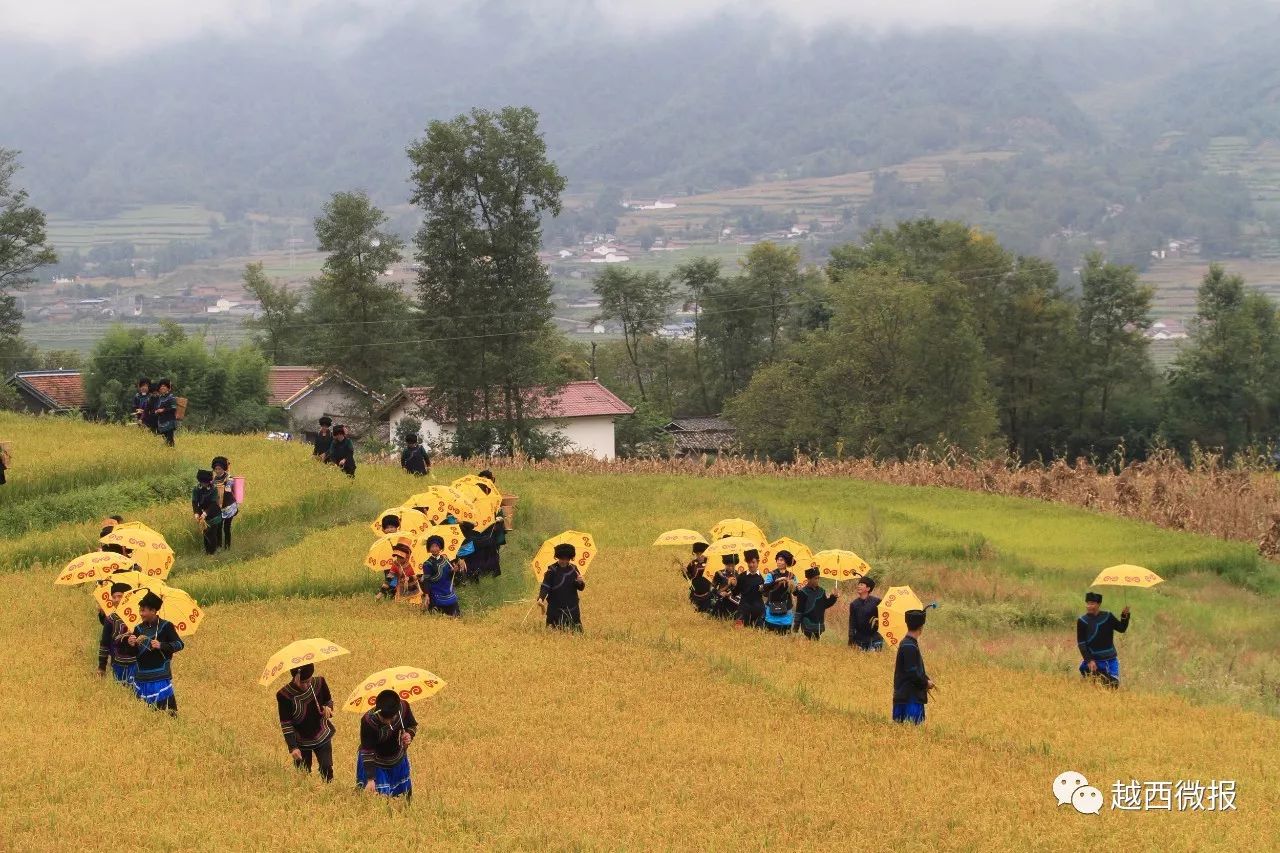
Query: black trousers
(446,609)
(168,437)
(323,757)
(226,533)
(752,616)
(212,537)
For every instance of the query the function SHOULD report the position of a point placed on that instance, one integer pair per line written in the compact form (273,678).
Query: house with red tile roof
(309,393)
(583,412)
(49,391)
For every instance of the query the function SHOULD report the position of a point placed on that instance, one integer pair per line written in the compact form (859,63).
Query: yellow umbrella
(411,682)
(802,552)
(731,545)
(481,492)
(178,607)
(439,502)
(840,565)
(450,533)
(299,653)
(893,613)
(1126,575)
(147,547)
(379,558)
(584,543)
(739,527)
(92,567)
(135,580)
(412,522)
(681,537)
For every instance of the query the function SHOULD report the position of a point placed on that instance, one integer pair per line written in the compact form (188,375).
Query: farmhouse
(583,412)
(52,392)
(694,436)
(309,393)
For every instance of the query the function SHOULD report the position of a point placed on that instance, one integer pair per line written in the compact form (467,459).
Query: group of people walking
(156,408)
(214,504)
(776,601)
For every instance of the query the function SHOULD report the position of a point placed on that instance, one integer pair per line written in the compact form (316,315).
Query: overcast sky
(108,27)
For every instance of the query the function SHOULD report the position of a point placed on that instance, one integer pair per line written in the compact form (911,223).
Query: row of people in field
(156,408)
(333,446)
(774,599)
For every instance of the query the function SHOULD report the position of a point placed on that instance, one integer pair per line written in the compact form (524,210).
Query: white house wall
(594,435)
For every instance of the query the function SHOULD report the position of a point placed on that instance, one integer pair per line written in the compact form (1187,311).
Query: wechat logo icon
(1072,788)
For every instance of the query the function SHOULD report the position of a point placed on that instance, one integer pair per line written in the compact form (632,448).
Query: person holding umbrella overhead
(114,647)
(156,641)
(1095,635)
(306,708)
(382,766)
(558,594)
(911,684)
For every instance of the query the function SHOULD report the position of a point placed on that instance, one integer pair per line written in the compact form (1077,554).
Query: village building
(308,394)
(698,436)
(49,392)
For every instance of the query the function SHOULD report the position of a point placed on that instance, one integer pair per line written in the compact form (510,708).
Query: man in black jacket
(414,458)
(812,602)
(864,612)
(207,507)
(911,684)
(156,641)
(320,447)
(342,452)
(751,592)
(305,707)
(558,594)
(1095,635)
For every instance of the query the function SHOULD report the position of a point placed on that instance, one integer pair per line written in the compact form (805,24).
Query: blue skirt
(390,781)
(908,712)
(124,672)
(1108,669)
(154,692)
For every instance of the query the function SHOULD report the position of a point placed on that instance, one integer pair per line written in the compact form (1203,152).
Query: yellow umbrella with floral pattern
(739,527)
(584,545)
(893,613)
(840,565)
(299,653)
(413,683)
(92,567)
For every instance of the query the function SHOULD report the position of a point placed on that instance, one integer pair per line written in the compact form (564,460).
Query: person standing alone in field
(157,641)
(1095,635)
(911,684)
(324,438)
(306,707)
(558,594)
(382,765)
(863,617)
(342,452)
(414,458)
(165,411)
(208,510)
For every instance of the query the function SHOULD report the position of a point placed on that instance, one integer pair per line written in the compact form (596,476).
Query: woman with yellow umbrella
(156,641)
(305,705)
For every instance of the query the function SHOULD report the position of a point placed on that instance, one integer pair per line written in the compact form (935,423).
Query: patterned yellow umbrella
(440,502)
(299,653)
(583,543)
(147,547)
(840,565)
(92,567)
(732,545)
(481,492)
(1127,575)
(379,558)
(739,527)
(135,580)
(412,522)
(802,552)
(178,607)
(413,683)
(450,533)
(893,613)
(681,537)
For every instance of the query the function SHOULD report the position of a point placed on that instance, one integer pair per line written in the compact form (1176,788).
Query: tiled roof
(283,383)
(586,399)
(707,441)
(699,425)
(60,389)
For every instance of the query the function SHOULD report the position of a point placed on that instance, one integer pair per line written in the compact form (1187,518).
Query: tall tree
(698,276)
(638,302)
(483,182)
(24,248)
(1115,310)
(771,276)
(357,317)
(279,323)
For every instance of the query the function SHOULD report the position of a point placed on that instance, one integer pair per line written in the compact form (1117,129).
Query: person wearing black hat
(222,486)
(750,590)
(207,510)
(699,581)
(156,641)
(414,458)
(812,603)
(864,616)
(437,571)
(323,439)
(386,731)
(558,595)
(911,684)
(305,707)
(114,647)
(778,587)
(142,401)
(406,587)
(1095,635)
(342,452)
(165,411)
(724,589)
(390,524)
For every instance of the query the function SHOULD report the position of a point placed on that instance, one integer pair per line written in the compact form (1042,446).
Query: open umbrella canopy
(482,494)
(413,683)
(584,544)
(732,545)
(440,502)
(380,559)
(1127,575)
(739,527)
(299,653)
(412,522)
(135,580)
(802,553)
(681,536)
(893,613)
(840,565)
(450,533)
(147,547)
(178,607)
(92,567)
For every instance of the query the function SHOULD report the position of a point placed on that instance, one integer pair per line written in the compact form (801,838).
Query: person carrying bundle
(208,510)
(699,584)
(226,499)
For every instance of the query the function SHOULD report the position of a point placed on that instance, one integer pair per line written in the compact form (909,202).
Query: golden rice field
(656,729)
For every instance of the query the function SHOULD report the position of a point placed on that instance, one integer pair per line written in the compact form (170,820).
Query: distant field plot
(81,336)
(148,225)
(1176,282)
(1258,166)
